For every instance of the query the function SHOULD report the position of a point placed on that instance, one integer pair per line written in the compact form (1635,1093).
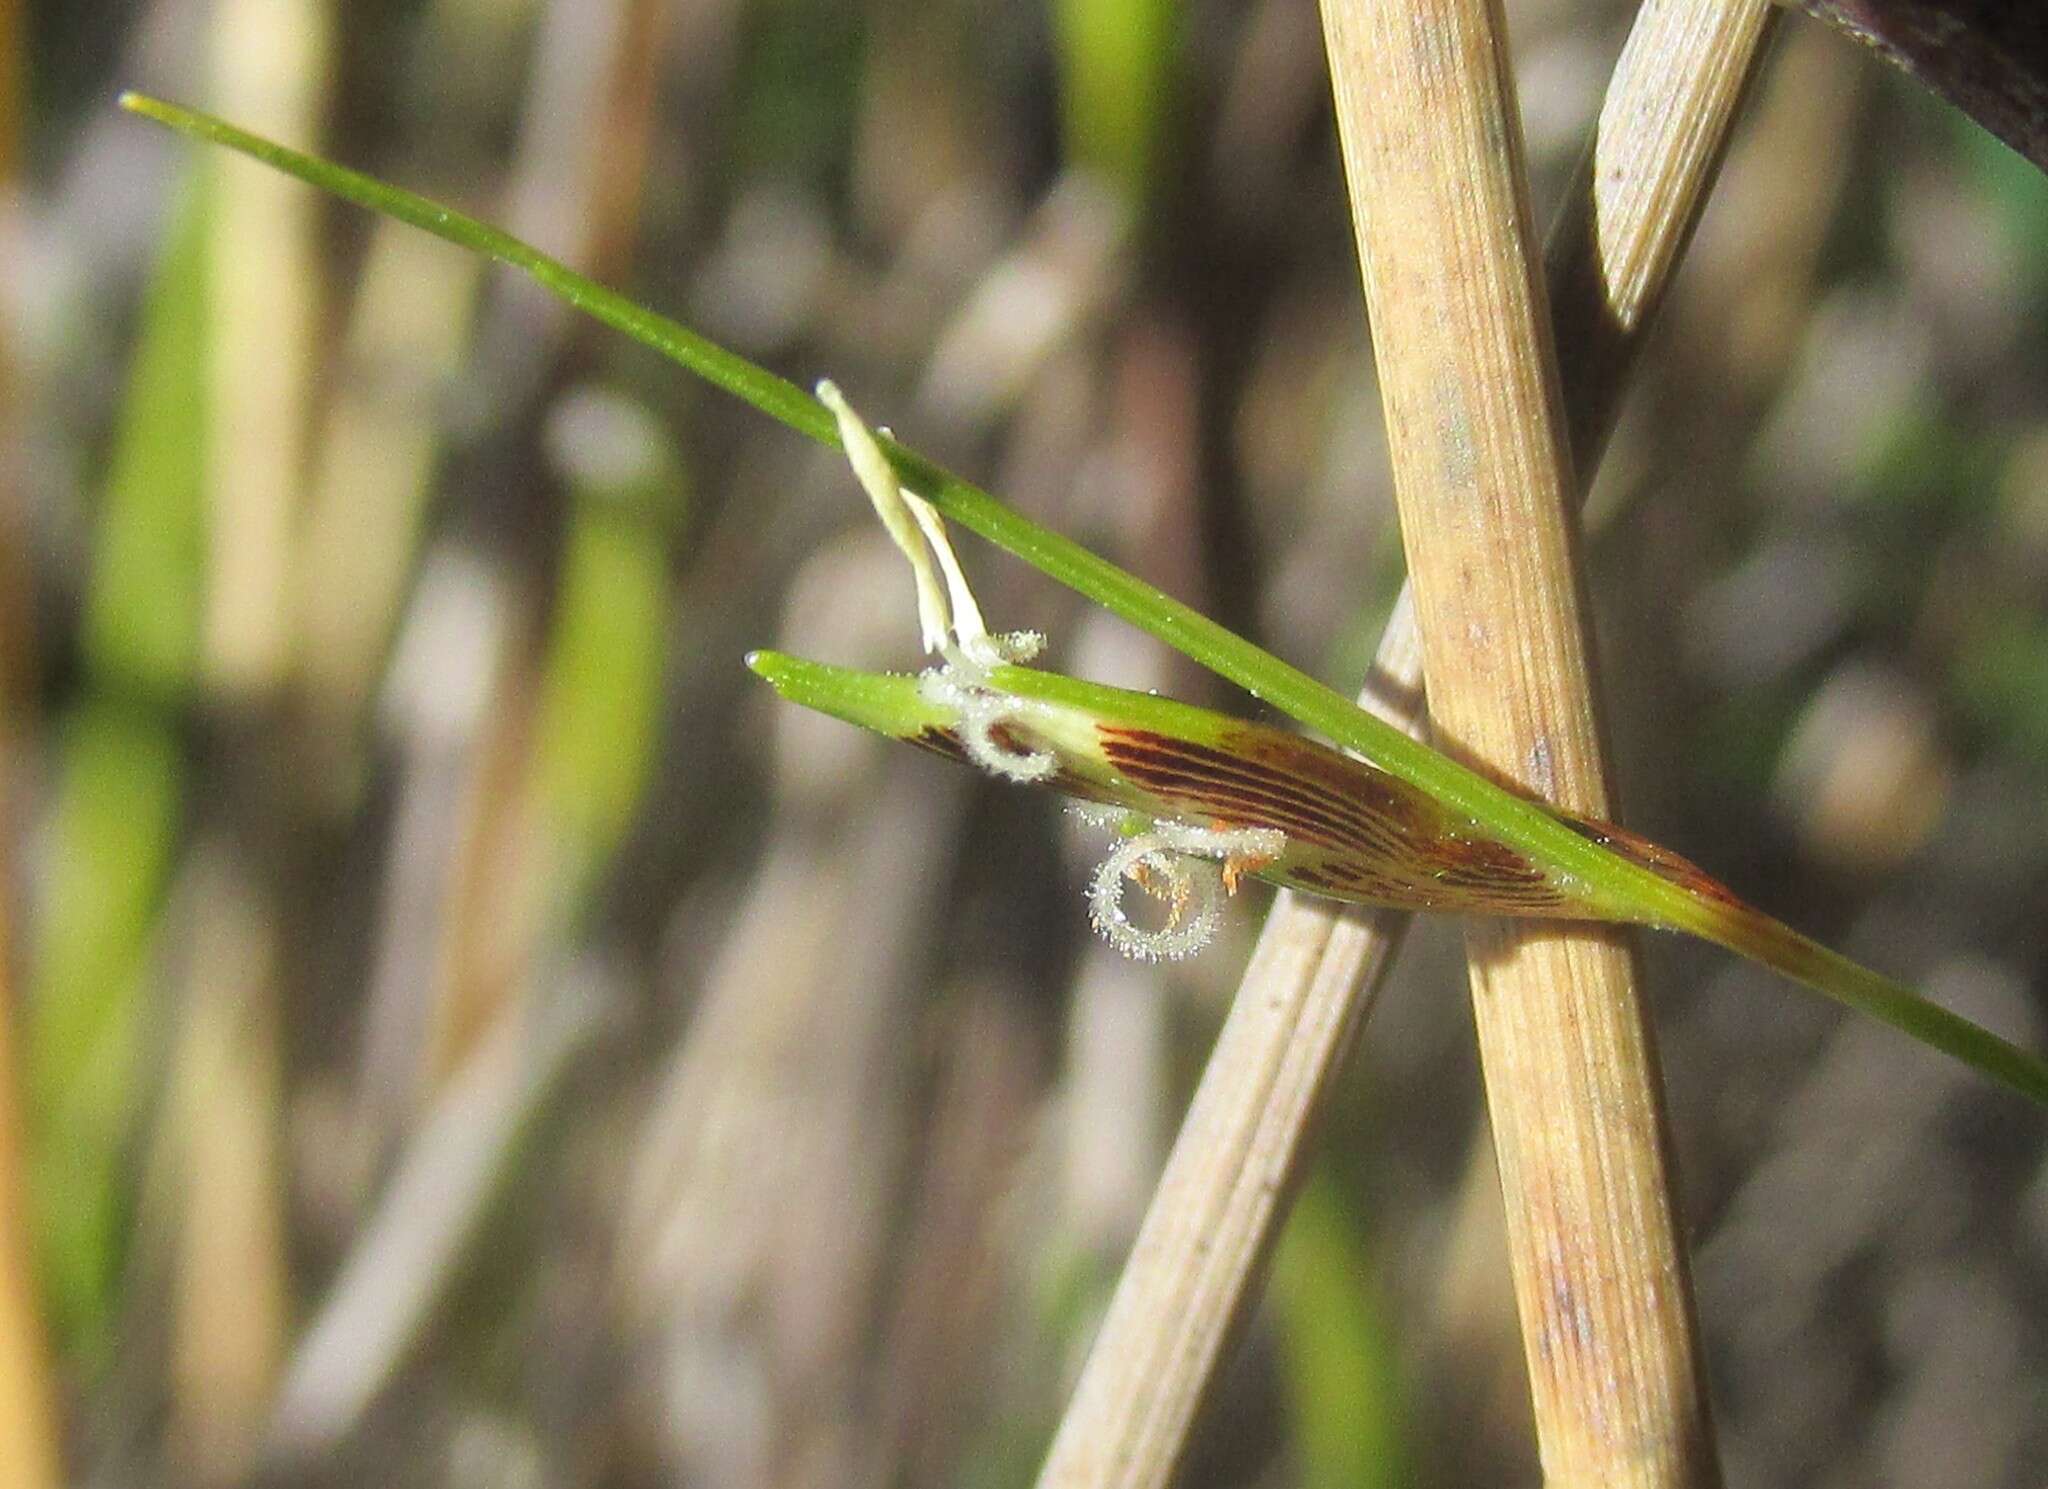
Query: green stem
(774,396)
(1758,937)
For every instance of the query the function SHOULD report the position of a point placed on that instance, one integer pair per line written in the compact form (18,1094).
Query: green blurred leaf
(2019,193)
(1116,62)
(118,796)
(2001,678)
(601,688)
(108,854)
(798,84)
(142,608)
(1342,1370)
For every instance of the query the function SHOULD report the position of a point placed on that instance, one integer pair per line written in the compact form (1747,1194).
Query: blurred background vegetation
(460,1034)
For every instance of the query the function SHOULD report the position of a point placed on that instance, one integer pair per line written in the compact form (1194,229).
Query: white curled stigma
(1189,895)
(981,709)
(949,621)
(1166,861)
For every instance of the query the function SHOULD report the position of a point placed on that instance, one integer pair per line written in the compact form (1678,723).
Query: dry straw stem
(28,1414)
(269,62)
(1426,116)
(28,1417)
(1223,1194)
(230,1297)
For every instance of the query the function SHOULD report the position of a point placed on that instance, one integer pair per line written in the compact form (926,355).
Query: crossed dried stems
(1437,110)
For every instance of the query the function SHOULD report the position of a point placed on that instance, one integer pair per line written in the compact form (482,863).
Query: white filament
(1100,815)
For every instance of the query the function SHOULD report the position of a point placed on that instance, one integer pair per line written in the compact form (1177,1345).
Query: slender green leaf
(1522,823)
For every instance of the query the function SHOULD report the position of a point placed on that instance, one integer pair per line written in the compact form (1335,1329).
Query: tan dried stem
(1221,1200)
(28,1409)
(231,1290)
(269,66)
(28,1414)
(1483,477)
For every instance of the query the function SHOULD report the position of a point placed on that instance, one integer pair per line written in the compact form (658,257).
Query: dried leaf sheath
(1353,832)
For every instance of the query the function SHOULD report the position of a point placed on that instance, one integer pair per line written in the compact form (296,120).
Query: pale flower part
(1168,851)
(948,617)
(878,478)
(962,687)
(1225,844)
(1141,858)
(949,620)
(967,622)
(977,648)
(1103,817)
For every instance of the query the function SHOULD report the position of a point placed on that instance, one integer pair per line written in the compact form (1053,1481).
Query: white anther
(949,621)
(892,504)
